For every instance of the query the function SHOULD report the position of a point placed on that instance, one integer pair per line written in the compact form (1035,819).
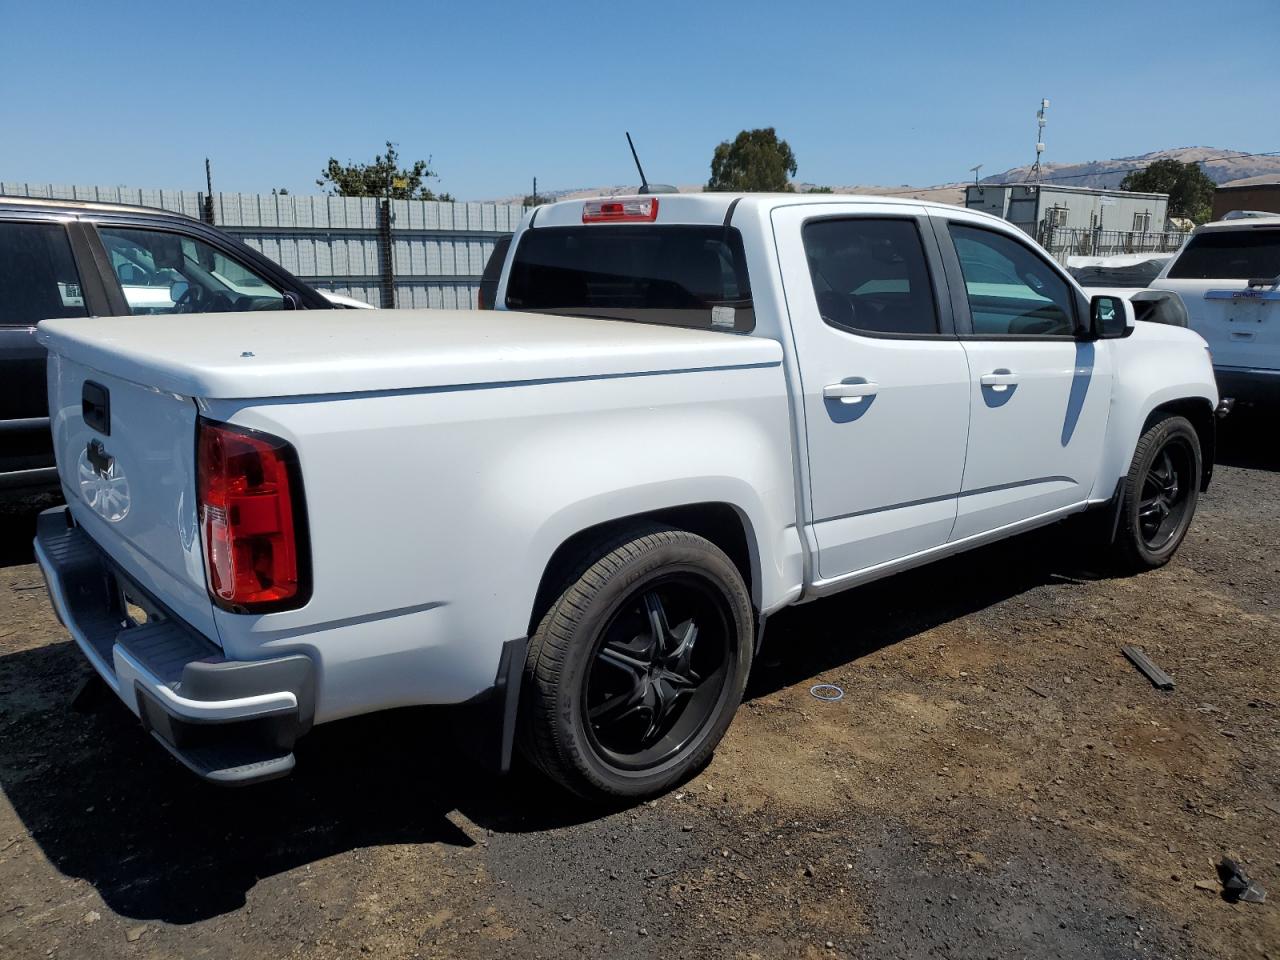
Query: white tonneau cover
(312,352)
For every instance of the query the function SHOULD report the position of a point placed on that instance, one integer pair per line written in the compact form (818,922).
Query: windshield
(1229,255)
(689,276)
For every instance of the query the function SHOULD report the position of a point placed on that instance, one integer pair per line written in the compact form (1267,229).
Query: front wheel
(636,670)
(1160,495)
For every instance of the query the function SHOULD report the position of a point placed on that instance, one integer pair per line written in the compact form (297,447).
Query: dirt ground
(996,782)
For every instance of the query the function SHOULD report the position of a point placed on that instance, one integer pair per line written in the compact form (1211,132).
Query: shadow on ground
(1247,438)
(107,805)
(807,640)
(18,512)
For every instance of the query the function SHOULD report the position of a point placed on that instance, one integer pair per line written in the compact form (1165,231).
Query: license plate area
(136,607)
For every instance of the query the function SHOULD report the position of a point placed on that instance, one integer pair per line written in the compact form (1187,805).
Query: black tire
(1159,494)
(586,658)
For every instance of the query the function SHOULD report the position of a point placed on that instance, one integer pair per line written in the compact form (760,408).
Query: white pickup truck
(576,511)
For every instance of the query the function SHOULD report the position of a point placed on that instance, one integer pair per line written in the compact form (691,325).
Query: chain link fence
(1063,242)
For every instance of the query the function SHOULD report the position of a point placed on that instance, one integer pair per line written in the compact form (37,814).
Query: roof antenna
(645,186)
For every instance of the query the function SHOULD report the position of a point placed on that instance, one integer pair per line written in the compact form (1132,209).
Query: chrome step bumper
(229,721)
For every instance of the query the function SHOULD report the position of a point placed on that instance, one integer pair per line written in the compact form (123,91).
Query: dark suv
(64,258)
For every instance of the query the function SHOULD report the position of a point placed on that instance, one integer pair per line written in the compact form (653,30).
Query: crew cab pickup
(576,512)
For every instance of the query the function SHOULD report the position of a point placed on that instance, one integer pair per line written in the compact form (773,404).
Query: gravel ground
(996,782)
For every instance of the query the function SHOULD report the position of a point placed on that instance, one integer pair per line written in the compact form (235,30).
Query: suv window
(871,275)
(1012,291)
(1229,255)
(688,276)
(487,298)
(163,272)
(38,276)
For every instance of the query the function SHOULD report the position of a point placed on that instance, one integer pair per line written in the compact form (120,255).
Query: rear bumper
(1251,385)
(228,721)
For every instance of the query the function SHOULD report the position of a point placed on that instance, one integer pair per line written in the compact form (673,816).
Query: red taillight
(250,509)
(621,210)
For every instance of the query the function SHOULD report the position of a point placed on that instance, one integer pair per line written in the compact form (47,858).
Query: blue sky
(139,93)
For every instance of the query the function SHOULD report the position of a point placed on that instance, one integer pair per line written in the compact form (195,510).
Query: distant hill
(1092,173)
(1109,173)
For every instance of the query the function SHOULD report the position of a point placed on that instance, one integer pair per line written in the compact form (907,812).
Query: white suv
(1228,275)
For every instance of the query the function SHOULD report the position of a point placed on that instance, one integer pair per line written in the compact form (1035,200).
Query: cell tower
(1040,122)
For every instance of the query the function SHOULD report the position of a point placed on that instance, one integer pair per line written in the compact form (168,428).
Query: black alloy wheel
(658,672)
(1166,493)
(1159,495)
(637,664)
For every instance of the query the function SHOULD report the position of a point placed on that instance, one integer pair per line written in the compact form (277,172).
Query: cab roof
(711,208)
(43,203)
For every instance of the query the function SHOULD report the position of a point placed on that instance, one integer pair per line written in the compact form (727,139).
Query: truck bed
(310,352)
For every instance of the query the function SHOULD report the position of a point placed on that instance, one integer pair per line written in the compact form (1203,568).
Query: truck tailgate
(1240,324)
(126,460)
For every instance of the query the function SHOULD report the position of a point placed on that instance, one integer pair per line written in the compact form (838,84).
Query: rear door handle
(999,379)
(850,392)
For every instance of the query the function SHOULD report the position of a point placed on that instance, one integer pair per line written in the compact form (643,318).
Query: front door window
(164,272)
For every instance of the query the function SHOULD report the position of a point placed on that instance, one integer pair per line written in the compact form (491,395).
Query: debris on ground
(826,691)
(1236,885)
(1159,679)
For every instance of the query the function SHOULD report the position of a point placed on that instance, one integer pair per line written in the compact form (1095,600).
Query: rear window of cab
(1229,255)
(678,275)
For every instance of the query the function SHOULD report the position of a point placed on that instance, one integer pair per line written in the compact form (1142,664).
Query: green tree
(756,161)
(376,179)
(1190,190)
(819,190)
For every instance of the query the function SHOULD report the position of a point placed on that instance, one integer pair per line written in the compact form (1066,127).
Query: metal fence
(406,253)
(1063,242)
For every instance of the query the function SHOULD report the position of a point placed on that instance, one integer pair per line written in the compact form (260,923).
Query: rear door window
(38,277)
(871,276)
(688,276)
(1229,255)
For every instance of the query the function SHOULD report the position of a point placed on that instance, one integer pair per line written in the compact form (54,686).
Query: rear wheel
(635,671)
(1160,495)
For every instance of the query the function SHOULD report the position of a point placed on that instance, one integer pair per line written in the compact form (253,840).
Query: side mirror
(178,289)
(1110,317)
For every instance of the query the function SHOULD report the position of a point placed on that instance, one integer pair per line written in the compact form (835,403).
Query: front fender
(1156,366)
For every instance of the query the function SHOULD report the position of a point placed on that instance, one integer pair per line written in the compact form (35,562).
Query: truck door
(1040,397)
(885,381)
